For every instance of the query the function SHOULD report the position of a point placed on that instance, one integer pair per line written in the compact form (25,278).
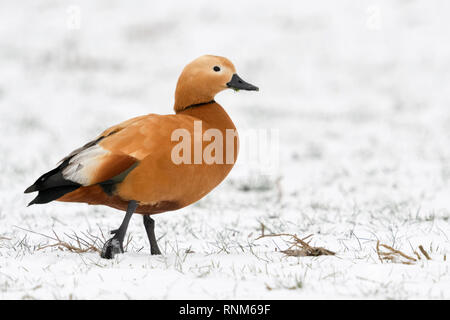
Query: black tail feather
(37,185)
(52,186)
(48,195)
(51,179)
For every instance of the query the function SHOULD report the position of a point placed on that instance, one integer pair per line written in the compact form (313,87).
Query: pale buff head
(205,77)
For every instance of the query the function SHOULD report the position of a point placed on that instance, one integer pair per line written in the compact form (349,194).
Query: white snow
(358,92)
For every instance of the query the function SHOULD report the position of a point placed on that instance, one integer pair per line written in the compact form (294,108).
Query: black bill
(237,83)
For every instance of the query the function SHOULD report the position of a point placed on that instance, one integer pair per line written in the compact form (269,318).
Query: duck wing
(93,163)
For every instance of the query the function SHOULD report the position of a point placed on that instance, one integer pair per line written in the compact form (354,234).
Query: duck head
(205,77)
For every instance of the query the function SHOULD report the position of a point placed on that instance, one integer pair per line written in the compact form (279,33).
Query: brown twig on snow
(394,255)
(424,252)
(299,247)
(397,252)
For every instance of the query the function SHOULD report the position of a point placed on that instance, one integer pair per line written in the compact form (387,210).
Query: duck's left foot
(111,247)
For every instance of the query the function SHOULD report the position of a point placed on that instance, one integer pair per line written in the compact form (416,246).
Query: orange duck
(154,163)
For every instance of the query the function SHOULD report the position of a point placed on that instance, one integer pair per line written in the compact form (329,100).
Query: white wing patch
(83,165)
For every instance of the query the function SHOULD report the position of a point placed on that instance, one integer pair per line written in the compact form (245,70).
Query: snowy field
(358,92)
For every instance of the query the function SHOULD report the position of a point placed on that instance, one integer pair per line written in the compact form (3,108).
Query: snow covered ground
(358,92)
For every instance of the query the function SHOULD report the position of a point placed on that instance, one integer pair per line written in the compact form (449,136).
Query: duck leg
(149,225)
(115,244)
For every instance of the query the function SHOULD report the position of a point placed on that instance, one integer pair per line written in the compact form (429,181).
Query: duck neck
(211,113)
(187,96)
(196,105)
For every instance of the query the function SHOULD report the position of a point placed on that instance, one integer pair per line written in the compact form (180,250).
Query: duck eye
(216,68)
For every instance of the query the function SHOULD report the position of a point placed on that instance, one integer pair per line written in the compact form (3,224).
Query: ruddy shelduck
(131,166)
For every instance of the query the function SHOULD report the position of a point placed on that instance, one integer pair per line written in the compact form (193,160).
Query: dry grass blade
(398,256)
(391,252)
(81,245)
(424,252)
(70,247)
(299,247)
